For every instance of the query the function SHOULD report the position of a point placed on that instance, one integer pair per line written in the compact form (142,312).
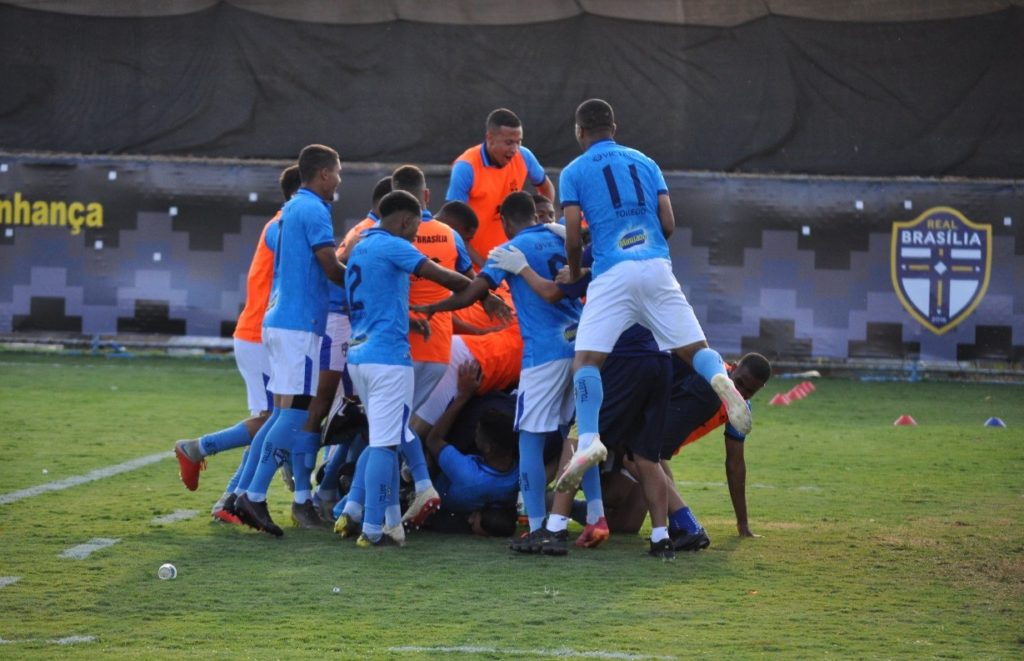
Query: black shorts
(636,393)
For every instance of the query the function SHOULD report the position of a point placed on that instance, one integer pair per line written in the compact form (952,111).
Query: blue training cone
(994,422)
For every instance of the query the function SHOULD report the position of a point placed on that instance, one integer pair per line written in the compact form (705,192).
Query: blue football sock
(357,493)
(589,395)
(255,451)
(332,470)
(532,480)
(277,445)
(303,461)
(393,513)
(381,464)
(683,519)
(591,484)
(225,439)
(707,363)
(412,452)
(233,483)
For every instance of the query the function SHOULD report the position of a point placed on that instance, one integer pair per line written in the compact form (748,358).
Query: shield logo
(941,264)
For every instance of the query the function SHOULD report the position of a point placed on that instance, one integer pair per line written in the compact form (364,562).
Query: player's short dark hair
(290,181)
(499,521)
(595,115)
(497,426)
(460,214)
(502,117)
(757,365)
(518,208)
(540,199)
(399,200)
(380,189)
(314,158)
(408,178)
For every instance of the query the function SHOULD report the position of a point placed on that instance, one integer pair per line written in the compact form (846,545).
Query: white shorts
(642,292)
(334,348)
(386,392)
(426,376)
(446,389)
(251,359)
(294,356)
(545,398)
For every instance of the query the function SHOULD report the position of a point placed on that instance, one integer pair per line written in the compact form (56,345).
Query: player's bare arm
(328,260)
(665,215)
(468,383)
(546,188)
(477,289)
(574,240)
(736,474)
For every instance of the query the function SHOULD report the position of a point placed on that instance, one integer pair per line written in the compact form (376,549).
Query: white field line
(83,551)
(75,480)
(8,580)
(66,640)
(562,652)
(174,517)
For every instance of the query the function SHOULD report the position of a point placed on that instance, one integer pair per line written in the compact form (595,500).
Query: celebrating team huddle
(449,371)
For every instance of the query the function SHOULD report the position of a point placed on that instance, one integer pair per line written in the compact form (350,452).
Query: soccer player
(474,482)
(632,415)
(379,358)
(251,359)
(484,174)
(694,411)
(625,200)
(430,353)
(545,385)
(294,324)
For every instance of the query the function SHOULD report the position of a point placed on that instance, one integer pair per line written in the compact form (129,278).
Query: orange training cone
(905,421)
(779,400)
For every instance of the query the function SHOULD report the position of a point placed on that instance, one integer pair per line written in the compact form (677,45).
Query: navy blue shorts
(636,393)
(692,404)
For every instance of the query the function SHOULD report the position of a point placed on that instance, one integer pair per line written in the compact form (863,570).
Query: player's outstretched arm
(546,188)
(470,294)
(736,474)
(445,277)
(665,215)
(468,382)
(328,261)
(573,240)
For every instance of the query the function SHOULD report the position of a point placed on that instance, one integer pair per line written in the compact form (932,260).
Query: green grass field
(878,541)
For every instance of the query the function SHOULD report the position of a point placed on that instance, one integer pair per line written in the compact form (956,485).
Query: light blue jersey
(548,329)
(466,483)
(299,294)
(617,189)
(377,283)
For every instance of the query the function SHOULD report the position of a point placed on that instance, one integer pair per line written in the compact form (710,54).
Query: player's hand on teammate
(509,259)
(420,325)
(469,378)
(497,308)
(555,228)
(426,310)
(564,277)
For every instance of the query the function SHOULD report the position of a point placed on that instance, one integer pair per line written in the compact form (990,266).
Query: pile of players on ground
(436,363)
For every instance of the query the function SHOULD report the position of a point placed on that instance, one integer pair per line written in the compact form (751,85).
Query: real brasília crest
(940,266)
